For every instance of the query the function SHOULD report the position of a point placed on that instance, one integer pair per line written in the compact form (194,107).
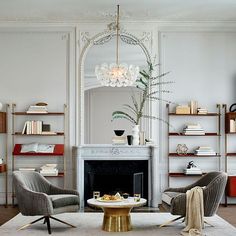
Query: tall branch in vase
(150,88)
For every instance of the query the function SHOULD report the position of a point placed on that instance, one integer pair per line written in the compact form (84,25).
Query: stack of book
(193,171)
(205,151)
(49,170)
(193,129)
(193,107)
(27,169)
(37,109)
(202,111)
(119,140)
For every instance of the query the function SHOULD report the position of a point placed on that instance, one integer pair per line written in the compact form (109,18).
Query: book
(37,148)
(27,169)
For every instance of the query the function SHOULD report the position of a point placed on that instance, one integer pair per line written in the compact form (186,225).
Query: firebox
(110,177)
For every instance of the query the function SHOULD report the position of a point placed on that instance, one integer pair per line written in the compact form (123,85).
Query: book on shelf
(32,127)
(37,109)
(193,107)
(193,129)
(232,126)
(193,171)
(37,148)
(202,111)
(49,170)
(119,140)
(27,169)
(182,109)
(205,151)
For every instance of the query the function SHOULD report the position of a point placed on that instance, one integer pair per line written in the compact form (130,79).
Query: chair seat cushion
(62,200)
(168,196)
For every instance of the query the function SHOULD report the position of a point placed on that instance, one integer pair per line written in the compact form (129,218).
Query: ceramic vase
(135,133)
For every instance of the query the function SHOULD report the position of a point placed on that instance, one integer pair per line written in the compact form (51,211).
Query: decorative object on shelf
(192,169)
(41,104)
(135,132)
(116,74)
(181,149)
(182,109)
(1,161)
(142,138)
(49,170)
(125,195)
(1,106)
(119,132)
(232,108)
(130,139)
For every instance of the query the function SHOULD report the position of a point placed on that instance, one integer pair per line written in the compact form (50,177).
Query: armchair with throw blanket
(37,196)
(174,199)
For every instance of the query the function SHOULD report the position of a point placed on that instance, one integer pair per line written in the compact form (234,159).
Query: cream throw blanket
(194,218)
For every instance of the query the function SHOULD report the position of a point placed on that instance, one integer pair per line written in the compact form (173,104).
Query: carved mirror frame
(99,39)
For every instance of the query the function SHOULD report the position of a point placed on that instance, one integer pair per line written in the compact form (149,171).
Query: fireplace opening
(110,177)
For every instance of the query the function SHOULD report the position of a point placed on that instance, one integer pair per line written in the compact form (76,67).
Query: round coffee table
(117,214)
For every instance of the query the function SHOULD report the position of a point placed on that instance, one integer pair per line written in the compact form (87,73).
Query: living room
(125,145)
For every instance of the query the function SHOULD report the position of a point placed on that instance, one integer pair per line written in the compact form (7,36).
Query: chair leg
(47,218)
(27,225)
(208,223)
(63,222)
(171,221)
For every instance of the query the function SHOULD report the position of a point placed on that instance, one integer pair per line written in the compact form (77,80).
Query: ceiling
(100,10)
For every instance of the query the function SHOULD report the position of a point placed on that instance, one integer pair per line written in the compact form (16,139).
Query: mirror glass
(100,101)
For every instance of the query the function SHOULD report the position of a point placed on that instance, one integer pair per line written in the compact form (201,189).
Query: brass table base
(116,219)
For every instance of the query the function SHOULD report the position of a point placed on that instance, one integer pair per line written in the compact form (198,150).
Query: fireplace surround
(128,162)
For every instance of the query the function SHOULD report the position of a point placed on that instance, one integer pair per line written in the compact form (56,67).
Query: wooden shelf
(208,114)
(192,155)
(3,168)
(230,133)
(58,151)
(230,154)
(41,114)
(183,175)
(181,134)
(57,134)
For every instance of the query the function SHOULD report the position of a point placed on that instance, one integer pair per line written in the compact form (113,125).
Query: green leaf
(121,114)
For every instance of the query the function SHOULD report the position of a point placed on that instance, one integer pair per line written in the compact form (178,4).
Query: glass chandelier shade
(117,74)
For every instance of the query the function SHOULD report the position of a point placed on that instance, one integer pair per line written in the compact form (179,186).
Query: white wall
(34,67)
(38,64)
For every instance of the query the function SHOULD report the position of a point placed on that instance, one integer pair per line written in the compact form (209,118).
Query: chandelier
(117,74)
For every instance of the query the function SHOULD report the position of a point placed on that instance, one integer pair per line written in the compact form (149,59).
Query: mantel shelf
(181,134)
(192,155)
(208,114)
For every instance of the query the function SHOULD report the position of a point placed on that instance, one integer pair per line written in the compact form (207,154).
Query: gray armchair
(174,199)
(37,196)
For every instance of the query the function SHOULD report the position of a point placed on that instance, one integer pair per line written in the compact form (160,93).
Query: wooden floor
(227,213)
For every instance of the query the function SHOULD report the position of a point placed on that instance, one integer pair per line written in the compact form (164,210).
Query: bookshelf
(230,156)
(173,156)
(39,158)
(4,165)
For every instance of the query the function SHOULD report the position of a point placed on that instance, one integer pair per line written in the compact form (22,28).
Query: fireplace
(110,177)
(97,168)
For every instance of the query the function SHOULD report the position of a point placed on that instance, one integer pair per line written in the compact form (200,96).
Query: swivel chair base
(46,220)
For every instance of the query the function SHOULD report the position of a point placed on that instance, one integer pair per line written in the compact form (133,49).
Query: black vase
(130,139)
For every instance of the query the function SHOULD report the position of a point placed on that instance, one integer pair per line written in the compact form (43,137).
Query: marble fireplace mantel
(111,152)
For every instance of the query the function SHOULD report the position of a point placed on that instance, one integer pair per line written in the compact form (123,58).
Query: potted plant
(149,87)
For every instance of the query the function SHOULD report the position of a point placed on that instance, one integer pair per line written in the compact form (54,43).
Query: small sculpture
(191,165)
(182,149)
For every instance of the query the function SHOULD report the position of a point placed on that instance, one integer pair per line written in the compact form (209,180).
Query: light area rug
(89,224)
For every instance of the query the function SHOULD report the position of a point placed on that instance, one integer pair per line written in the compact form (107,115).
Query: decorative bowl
(119,132)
